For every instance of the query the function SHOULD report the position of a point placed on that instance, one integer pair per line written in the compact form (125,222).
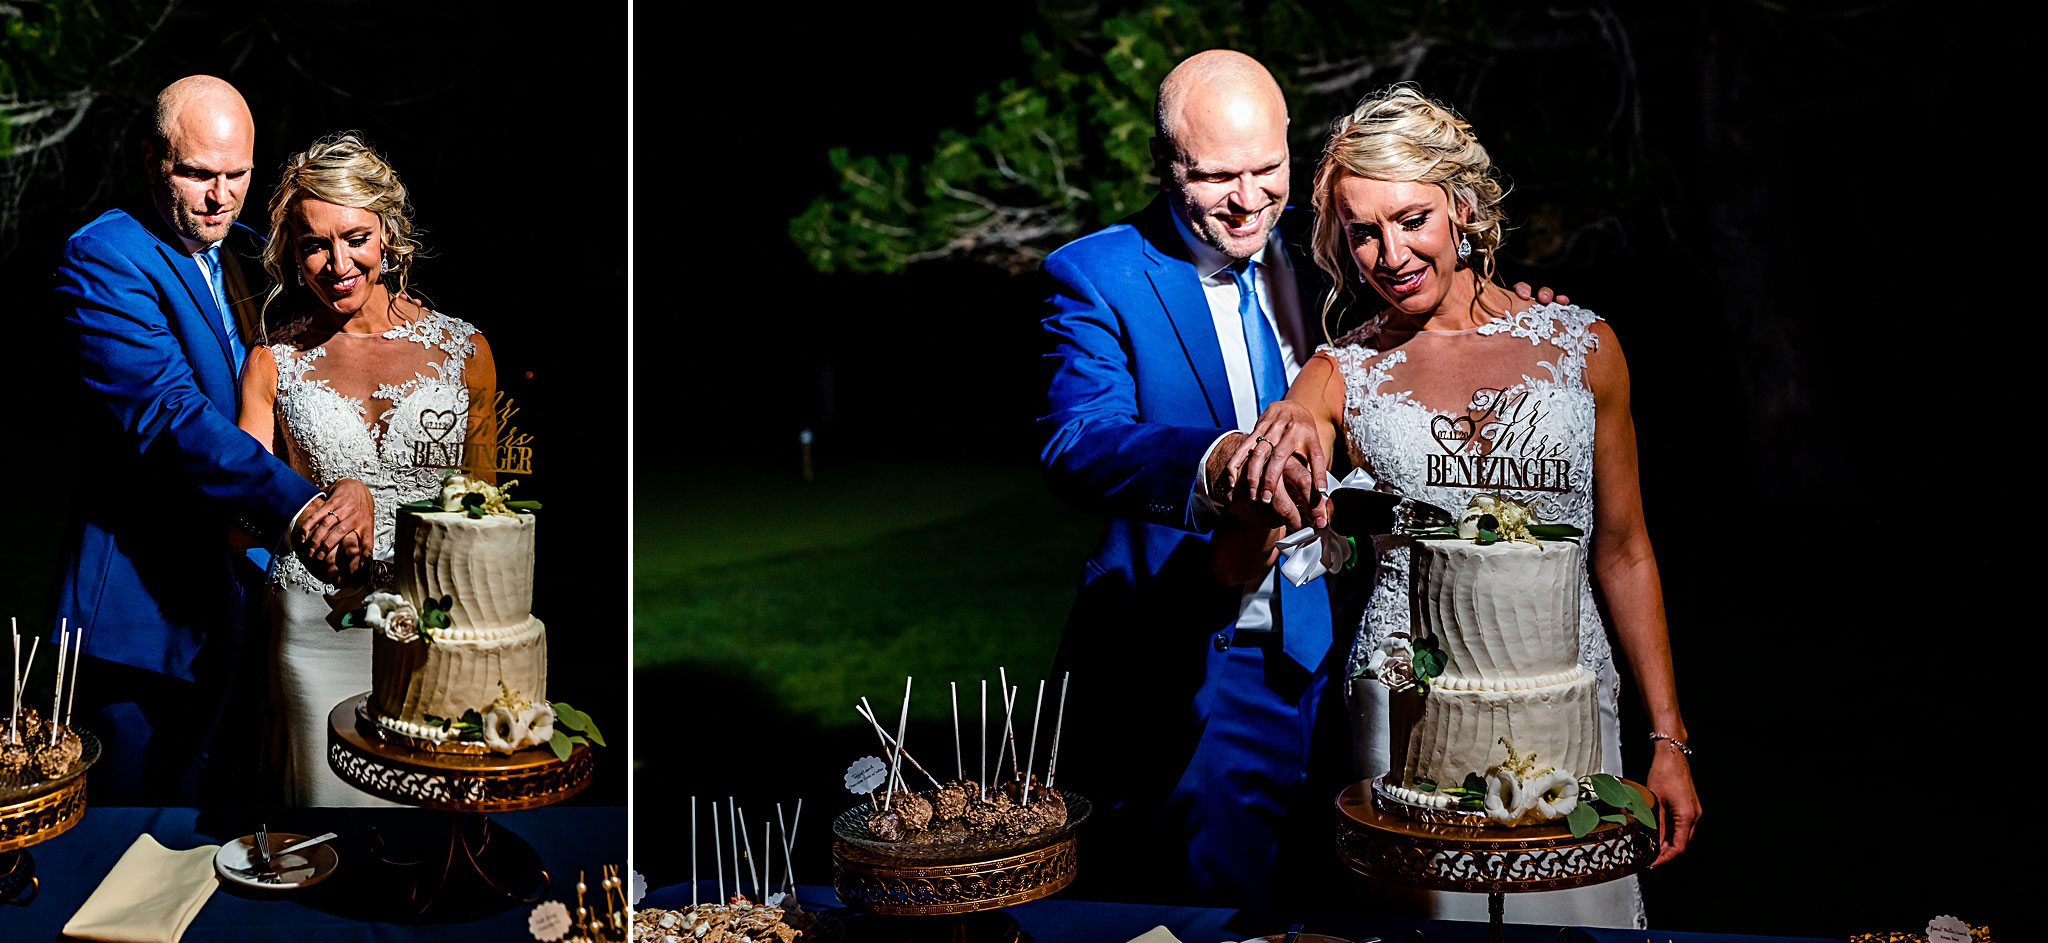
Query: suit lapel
(1180,291)
(202,299)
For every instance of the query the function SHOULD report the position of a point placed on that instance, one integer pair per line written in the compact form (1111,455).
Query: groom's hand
(334,533)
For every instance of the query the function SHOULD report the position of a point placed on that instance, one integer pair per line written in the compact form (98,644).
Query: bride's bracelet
(1680,744)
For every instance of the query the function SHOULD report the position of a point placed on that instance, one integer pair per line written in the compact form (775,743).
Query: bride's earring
(1464,248)
(301,273)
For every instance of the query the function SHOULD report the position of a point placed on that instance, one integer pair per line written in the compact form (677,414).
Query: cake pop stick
(717,860)
(1059,720)
(889,744)
(35,642)
(981,772)
(767,859)
(77,657)
(1009,741)
(959,768)
(788,864)
(693,851)
(733,824)
(1032,757)
(57,696)
(14,698)
(1010,732)
(902,724)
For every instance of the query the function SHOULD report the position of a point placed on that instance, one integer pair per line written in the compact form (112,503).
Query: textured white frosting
(486,564)
(1503,611)
(1507,616)
(409,680)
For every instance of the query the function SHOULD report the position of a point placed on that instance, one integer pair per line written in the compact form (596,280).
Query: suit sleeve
(132,365)
(1098,452)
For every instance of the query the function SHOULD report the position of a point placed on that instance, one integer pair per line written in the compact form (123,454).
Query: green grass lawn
(801,597)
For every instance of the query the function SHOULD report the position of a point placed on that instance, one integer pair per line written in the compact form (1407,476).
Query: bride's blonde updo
(344,170)
(1396,134)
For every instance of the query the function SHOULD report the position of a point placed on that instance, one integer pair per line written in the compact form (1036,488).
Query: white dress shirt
(1273,279)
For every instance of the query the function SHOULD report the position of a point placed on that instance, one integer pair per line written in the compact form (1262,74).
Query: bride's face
(1400,237)
(340,251)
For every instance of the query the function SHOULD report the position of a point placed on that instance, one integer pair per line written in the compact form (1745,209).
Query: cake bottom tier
(1445,734)
(456,672)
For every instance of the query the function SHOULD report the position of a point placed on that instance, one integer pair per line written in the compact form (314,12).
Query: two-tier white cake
(494,650)
(1507,616)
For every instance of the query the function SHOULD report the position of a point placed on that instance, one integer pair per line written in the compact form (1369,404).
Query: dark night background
(1814,166)
(511,138)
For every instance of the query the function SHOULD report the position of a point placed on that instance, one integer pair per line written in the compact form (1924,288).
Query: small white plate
(290,872)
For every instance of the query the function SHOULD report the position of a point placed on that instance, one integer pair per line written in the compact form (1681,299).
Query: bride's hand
(348,509)
(1283,464)
(1678,806)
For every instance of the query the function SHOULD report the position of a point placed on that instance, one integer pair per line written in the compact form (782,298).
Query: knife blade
(1362,512)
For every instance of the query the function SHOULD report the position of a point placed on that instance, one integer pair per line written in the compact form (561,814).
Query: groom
(1169,332)
(159,315)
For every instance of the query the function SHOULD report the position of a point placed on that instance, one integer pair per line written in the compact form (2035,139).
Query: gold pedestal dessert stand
(923,881)
(470,786)
(35,812)
(1376,839)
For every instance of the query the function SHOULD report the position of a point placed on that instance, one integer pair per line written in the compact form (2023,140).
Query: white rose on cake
(392,615)
(1393,663)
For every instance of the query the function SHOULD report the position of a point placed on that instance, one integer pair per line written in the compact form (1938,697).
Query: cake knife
(1363,512)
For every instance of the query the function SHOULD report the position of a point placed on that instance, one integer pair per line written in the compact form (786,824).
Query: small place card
(1947,929)
(549,921)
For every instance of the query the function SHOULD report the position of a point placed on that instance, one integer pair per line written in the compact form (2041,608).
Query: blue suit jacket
(1137,393)
(164,469)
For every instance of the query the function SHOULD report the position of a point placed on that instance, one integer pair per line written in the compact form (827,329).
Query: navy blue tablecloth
(1058,920)
(344,909)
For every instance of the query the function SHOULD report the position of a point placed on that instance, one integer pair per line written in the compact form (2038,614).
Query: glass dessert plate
(954,842)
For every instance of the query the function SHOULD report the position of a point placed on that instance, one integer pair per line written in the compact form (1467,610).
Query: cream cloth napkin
(151,895)
(1158,934)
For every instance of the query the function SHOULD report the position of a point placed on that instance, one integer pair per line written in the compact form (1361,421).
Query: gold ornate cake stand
(882,884)
(1389,846)
(469,785)
(36,813)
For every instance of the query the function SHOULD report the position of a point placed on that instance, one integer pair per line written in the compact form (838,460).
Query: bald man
(159,314)
(1168,333)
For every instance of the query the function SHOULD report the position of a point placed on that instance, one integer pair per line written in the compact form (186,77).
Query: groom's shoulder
(115,225)
(1120,243)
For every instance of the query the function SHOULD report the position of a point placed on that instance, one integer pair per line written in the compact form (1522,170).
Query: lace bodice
(379,408)
(1442,416)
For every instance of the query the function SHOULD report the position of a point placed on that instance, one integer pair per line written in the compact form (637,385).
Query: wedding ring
(1269,442)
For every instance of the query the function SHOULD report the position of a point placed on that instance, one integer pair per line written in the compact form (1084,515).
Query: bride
(356,377)
(1452,369)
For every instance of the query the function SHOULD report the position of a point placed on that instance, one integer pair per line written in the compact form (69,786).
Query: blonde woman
(1450,369)
(355,380)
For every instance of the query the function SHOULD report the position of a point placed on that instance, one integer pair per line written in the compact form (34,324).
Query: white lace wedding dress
(376,408)
(1441,416)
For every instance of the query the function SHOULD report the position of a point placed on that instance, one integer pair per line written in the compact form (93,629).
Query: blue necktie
(236,351)
(1269,374)
(1302,616)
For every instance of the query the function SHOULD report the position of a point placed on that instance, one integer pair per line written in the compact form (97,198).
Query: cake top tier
(1505,612)
(485,564)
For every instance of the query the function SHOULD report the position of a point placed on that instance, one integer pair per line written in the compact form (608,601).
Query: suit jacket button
(1221,642)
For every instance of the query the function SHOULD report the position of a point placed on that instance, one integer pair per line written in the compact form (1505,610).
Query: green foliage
(1619,799)
(570,719)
